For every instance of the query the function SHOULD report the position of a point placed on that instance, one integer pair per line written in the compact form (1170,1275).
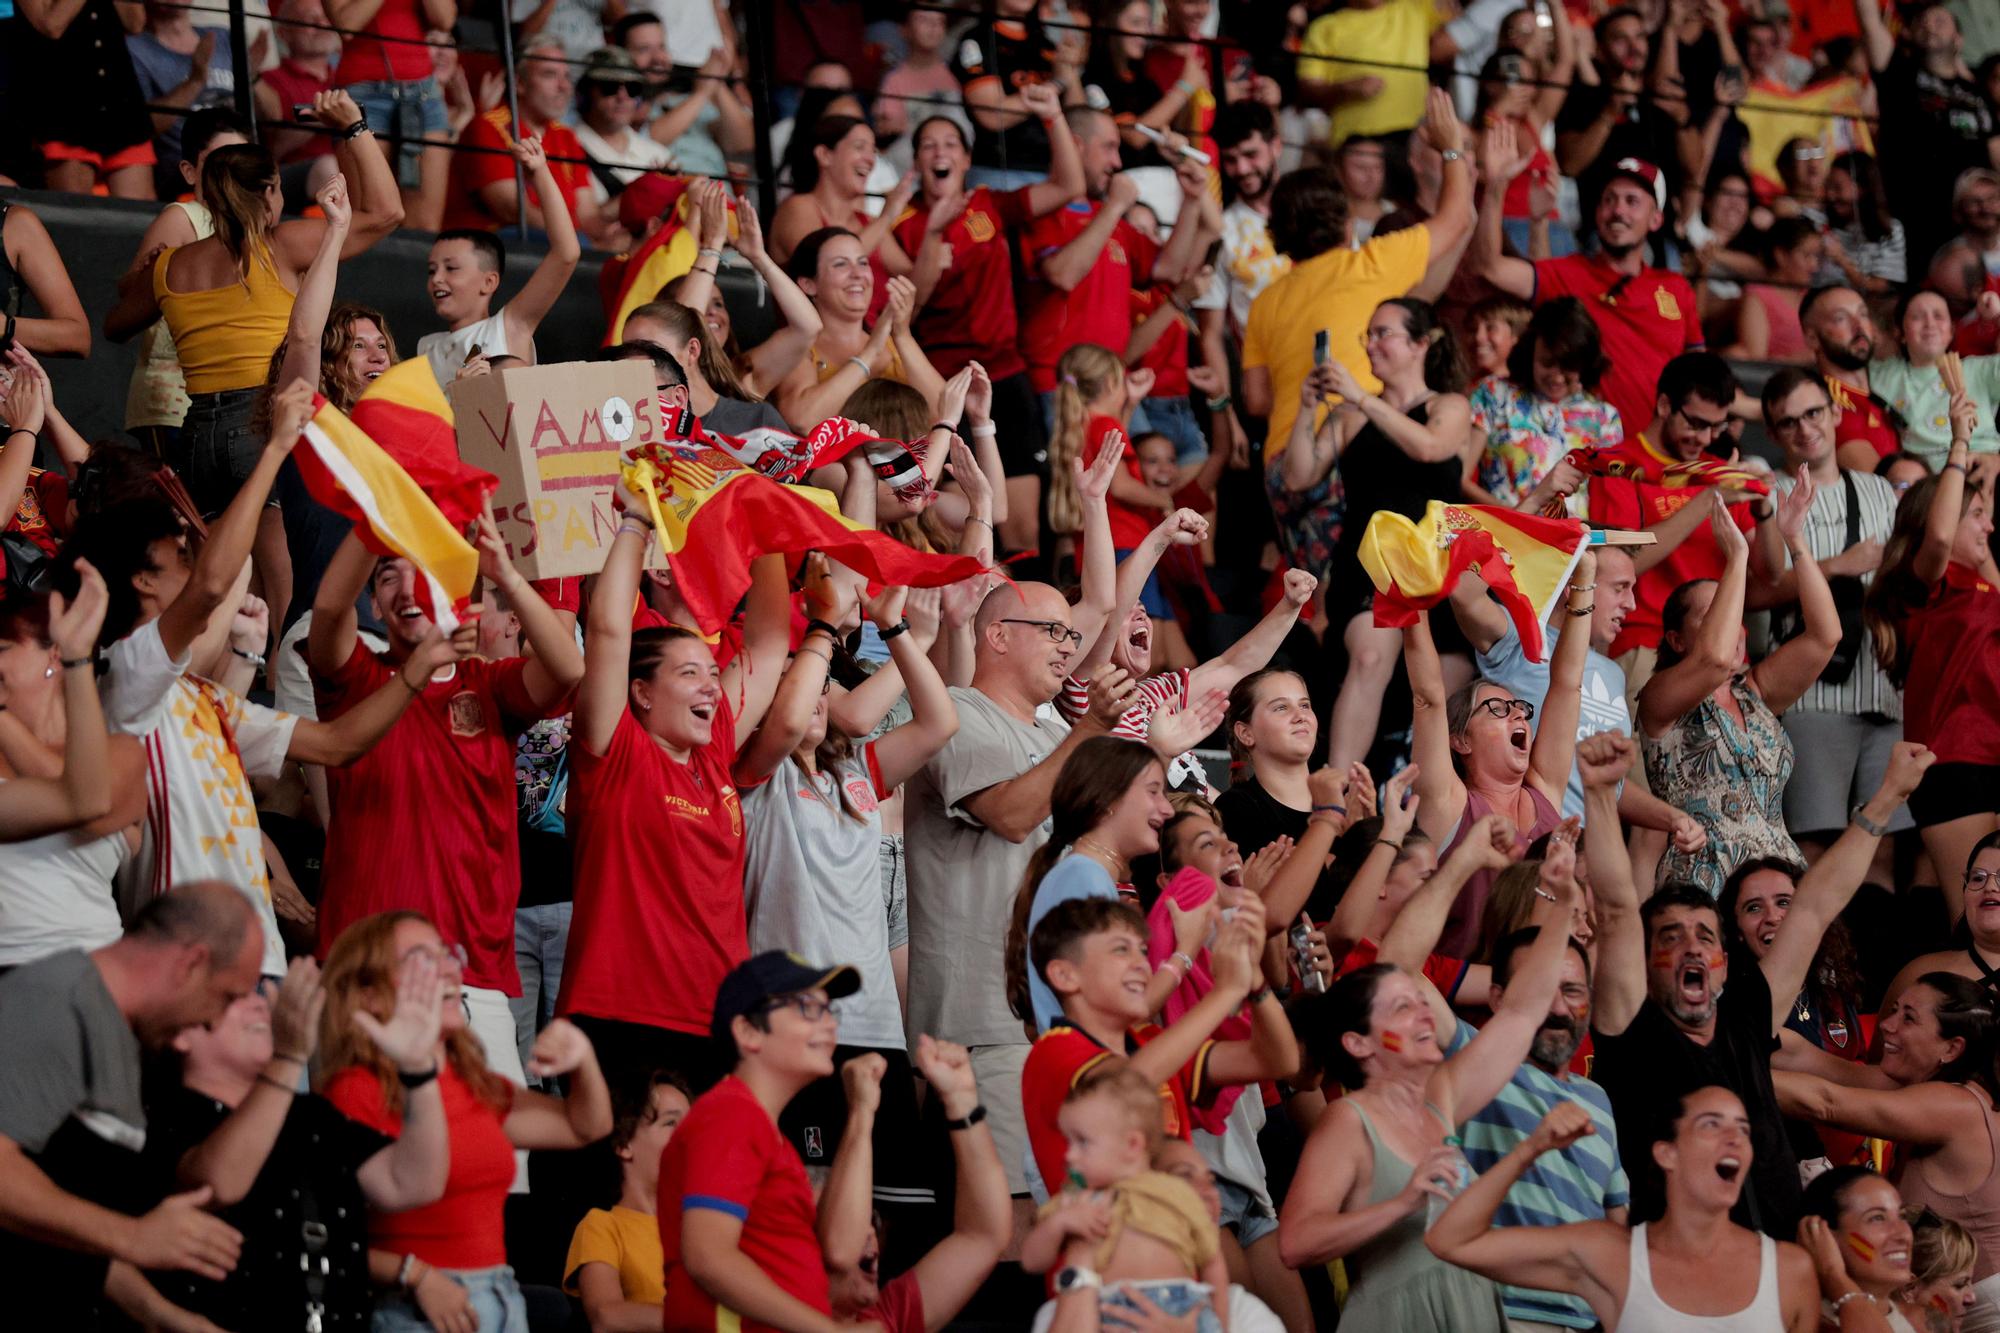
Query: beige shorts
(997,1069)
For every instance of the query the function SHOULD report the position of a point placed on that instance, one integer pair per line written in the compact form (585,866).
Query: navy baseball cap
(753,984)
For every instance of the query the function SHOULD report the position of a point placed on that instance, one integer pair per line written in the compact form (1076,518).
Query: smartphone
(301,110)
(1322,348)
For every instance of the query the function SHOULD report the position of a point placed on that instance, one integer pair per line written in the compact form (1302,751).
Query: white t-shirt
(55,894)
(203,744)
(449,351)
(1247,265)
(640,153)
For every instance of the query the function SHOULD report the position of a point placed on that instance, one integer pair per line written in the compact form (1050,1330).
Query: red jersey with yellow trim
(472,171)
(1644,319)
(1061,1057)
(1861,416)
(1951,695)
(1642,498)
(1098,309)
(971,314)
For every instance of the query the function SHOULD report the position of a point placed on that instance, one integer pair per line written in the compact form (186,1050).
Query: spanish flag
(1703,471)
(394,469)
(1829,114)
(713,517)
(1524,558)
(630,280)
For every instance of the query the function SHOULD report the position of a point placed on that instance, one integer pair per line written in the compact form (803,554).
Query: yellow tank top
(225,335)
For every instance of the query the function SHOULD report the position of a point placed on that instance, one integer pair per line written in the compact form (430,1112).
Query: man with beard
(1969,263)
(1645,315)
(1840,334)
(1583,1182)
(1246,133)
(1675,1012)
(1624,114)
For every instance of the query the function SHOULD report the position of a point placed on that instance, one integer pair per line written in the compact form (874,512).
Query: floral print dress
(1527,434)
(1729,776)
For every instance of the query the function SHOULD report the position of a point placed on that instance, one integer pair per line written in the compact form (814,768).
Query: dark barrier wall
(99,238)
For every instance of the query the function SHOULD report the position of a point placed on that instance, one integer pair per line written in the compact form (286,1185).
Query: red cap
(649,197)
(1647,175)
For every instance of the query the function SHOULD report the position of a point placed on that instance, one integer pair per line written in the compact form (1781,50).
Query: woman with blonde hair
(446,1262)
(1942,1255)
(354,350)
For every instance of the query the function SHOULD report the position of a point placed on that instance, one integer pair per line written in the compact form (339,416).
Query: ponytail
(1444,367)
(1085,373)
(233,182)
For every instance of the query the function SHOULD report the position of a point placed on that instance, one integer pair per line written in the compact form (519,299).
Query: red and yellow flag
(1525,558)
(713,517)
(394,469)
(631,280)
(1829,114)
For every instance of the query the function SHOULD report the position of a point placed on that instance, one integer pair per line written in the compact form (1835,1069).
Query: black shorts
(1954,791)
(1017,416)
(905,1189)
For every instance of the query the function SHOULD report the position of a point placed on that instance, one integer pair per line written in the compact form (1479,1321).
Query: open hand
(296,1010)
(73,626)
(410,1038)
(1175,731)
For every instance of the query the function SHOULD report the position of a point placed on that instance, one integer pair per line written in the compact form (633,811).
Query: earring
(48,672)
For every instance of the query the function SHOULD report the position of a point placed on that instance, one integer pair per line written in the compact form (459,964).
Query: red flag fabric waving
(1526,559)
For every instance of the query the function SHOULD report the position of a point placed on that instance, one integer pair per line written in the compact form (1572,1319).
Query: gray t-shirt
(738,417)
(68,1052)
(1604,707)
(963,877)
(812,884)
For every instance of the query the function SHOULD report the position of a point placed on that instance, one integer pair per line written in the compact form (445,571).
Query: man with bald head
(1840,334)
(973,817)
(71,1124)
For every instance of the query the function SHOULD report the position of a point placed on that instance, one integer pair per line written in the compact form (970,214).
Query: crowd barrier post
(239,69)
(763,70)
(506,27)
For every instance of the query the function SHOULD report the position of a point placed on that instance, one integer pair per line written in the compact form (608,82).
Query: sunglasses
(631,88)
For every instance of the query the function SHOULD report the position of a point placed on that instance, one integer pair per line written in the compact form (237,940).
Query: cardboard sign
(554,436)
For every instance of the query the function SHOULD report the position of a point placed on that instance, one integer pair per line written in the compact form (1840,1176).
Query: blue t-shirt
(161,71)
(1604,707)
(1575,1185)
(1073,877)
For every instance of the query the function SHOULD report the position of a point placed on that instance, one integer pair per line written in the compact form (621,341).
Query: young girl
(615,1264)
(1143,1232)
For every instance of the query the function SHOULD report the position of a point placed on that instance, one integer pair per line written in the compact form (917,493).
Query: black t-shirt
(1253,819)
(1652,1063)
(314,1160)
(1128,100)
(1645,132)
(1932,129)
(1017,52)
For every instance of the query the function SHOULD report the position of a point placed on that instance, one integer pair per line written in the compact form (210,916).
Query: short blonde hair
(1133,1093)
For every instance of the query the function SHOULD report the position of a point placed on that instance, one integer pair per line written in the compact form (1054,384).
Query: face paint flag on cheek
(1862,1249)
(1392,1042)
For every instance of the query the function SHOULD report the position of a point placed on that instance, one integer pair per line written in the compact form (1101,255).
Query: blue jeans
(404,112)
(219,446)
(496,1301)
(540,934)
(1174,1296)
(1174,418)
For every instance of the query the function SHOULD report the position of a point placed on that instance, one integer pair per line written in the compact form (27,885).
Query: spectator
(1246,133)
(737,1218)
(658,719)
(180,68)
(1864,242)
(961,241)
(577,24)
(1509,101)
(1911,384)
(612,132)
(30,265)
(463,276)
(1960,269)
(920,88)
(482,194)
(832,191)
(74,1201)
(305,158)
(385,65)
(675,327)
(704,126)
(998,57)
(1767,323)
(1942,1254)
(1849,719)
(1272,731)
(1936,122)
(1365,64)
(615,1265)
(1712,233)
(64,51)
(1691,1255)
(1624,114)
(1663,1023)
(832,267)
(1497,324)
(238,1125)
(426,821)
(1929,613)
(1118,79)
(1527,419)
(446,1262)
(1840,335)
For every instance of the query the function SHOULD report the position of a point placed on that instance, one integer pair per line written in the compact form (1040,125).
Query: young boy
(464,273)
(614,1261)
(1122,1226)
(1092,954)
(1497,324)
(737,1221)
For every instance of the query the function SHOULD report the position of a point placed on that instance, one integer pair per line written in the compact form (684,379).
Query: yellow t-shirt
(1336,291)
(1396,33)
(629,1241)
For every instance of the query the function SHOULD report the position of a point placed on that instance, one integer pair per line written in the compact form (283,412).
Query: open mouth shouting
(1730,1169)
(1232,874)
(1518,736)
(1691,983)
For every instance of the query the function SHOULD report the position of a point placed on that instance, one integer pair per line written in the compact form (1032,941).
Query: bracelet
(1219,404)
(826,657)
(1452,155)
(1184,88)
(254,659)
(866,369)
(944,426)
(984,430)
(356,130)
(633,523)
(1384,842)
(1187,963)
(1258,996)
(1324,809)
(298,1060)
(708,250)
(22,430)
(263,1077)
(1583,587)
(1583,610)
(1845,1297)
(821,625)
(403,1271)
(414,1081)
(711,272)
(972,1117)
(974,518)
(1962,469)
(900,627)
(71,663)
(416,691)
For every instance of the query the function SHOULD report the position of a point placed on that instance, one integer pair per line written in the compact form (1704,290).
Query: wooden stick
(1622,537)
(1952,372)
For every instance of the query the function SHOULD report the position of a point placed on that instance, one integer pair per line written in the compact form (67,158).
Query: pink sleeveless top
(1977,1210)
(1781,315)
(1461,926)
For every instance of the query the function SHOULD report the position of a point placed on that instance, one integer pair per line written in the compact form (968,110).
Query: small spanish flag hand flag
(393,468)
(1525,559)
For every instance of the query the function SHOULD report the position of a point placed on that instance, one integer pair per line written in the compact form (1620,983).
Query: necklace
(1119,870)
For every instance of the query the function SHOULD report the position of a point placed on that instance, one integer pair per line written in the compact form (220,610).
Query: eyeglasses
(443,953)
(1382,336)
(1809,153)
(1700,425)
(1055,629)
(1811,416)
(810,1007)
(1979,879)
(1503,708)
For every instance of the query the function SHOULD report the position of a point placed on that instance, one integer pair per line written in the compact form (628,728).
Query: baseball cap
(768,976)
(610,64)
(1647,175)
(647,198)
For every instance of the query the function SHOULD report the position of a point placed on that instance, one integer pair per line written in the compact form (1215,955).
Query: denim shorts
(1244,1213)
(219,446)
(1175,1297)
(404,112)
(1174,418)
(496,1300)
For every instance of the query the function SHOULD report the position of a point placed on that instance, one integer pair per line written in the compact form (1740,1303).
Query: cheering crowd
(1463,793)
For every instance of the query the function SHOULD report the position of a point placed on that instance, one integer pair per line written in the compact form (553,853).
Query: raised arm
(538,295)
(1272,1049)
(1875,35)
(1784,676)
(982,1213)
(1711,659)
(1065,180)
(828,600)
(580,1118)
(1069,265)
(1827,887)
(1501,159)
(1352,919)
(1453,217)
(357,731)
(1948,501)
(1487,845)
(752,678)
(1619,983)
(933,716)
(1924,1114)
(1479,616)
(848,1198)
(555,666)
(1554,753)
(602,697)
(1233,957)
(1438,784)
(1255,649)
(378,203)
(335,626)
(83,792)
(315,299)
(1098,613)
(767,364)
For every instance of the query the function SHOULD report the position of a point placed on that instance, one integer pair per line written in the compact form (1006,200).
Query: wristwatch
(1859,818)
(972,1117)
(1075,1278)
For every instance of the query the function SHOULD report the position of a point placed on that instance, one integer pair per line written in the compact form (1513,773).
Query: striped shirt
(1166,689)
(1867,691)
(1575,1185)
(1885,259)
